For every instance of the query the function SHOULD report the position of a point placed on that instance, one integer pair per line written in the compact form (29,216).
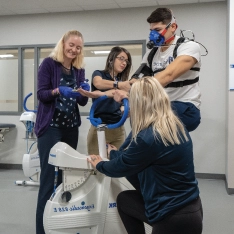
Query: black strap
(143,69)
(178,43)
(158,70)
(151,56)
(195,68)
(154,50)
(162,69)
(179,84)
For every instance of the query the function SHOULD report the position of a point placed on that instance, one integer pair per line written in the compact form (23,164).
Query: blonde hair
(58,55)
(150,105)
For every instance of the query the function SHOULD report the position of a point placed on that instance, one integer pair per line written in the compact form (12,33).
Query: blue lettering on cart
(34,158)
(112,205)
(74,208)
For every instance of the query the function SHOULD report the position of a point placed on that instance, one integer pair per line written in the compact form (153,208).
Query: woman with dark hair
(114,76)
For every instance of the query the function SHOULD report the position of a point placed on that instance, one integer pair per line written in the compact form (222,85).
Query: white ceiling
(15,7)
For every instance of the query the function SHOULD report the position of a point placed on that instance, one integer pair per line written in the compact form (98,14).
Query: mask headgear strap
(173,20)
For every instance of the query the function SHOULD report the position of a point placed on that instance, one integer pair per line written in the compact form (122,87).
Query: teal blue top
(164,174)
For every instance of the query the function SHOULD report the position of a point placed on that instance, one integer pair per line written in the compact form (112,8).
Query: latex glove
(68,92)
(85,86)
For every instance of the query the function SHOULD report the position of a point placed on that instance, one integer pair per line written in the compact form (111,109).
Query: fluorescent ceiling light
(101,52)
(6,55)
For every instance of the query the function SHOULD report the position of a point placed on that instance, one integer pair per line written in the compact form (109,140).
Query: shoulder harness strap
(154,50)
(178,43)
(151,56)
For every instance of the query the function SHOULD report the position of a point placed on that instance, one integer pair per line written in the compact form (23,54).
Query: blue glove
(68,92)
(85,86)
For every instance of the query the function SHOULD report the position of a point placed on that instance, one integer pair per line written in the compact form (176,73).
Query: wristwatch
(115,84)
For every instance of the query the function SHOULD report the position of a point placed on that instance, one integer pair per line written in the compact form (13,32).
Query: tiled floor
(18,205)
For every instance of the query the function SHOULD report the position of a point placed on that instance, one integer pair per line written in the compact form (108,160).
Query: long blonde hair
(150,105)
(58,55)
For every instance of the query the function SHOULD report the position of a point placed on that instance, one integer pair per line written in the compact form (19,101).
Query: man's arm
(177,68)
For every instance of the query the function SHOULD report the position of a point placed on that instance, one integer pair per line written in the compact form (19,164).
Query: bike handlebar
(24,104)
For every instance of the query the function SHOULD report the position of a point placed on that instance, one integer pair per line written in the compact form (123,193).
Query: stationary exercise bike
(85,202)
(31,160)
(4,128)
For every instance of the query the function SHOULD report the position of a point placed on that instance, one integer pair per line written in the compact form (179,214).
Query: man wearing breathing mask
(175,62)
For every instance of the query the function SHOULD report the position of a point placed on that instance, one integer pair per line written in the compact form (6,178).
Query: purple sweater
(49,76)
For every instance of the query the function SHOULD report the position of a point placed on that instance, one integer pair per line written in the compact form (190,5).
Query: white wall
(230,108)
(207,21)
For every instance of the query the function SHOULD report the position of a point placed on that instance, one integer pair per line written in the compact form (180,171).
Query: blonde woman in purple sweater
(58,117)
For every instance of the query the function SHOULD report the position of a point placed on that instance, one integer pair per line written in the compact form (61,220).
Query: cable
(182,35)
(31,147)
(55,181)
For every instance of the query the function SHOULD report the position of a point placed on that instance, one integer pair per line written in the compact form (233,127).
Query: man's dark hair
(163,15)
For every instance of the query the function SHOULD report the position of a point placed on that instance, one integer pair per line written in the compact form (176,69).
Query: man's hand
(125,85)
(119,95)
(132,81)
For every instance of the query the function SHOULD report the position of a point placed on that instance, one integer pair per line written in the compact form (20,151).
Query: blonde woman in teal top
(157,158)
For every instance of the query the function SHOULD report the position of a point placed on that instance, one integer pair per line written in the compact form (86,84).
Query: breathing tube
(97,121)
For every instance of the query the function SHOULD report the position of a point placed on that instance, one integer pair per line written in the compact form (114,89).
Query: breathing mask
(158,39)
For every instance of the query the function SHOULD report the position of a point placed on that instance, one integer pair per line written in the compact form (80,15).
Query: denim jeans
(45,142)
(188,113)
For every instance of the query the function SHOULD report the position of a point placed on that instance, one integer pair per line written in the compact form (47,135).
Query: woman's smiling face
(72,47)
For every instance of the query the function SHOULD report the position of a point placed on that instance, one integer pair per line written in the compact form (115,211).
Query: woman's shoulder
(147,135)
(98,73)
(101,73)
(49,62)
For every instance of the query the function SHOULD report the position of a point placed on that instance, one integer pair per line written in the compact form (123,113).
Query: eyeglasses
(122,59)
